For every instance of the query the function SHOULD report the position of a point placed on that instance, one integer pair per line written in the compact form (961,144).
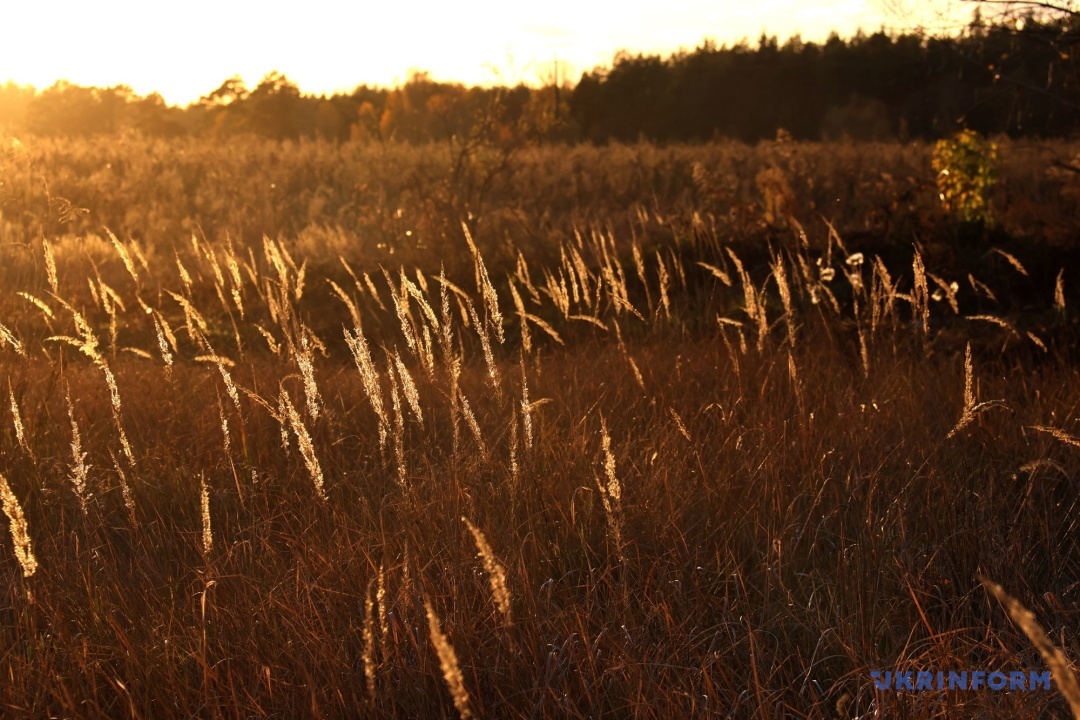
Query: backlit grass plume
(20,534)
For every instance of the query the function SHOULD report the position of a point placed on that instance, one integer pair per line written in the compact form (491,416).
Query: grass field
(581,432)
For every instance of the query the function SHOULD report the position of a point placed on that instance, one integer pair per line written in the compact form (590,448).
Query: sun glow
(186,51)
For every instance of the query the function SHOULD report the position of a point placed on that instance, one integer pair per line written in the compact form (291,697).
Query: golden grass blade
(500,593)
(20,534)
(1062,673)
(1059,434)
(448,662)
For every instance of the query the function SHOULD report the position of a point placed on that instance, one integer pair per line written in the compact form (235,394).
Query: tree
(1029,47)
(275,107)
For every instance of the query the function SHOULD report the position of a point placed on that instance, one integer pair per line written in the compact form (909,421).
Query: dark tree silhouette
(1013,70)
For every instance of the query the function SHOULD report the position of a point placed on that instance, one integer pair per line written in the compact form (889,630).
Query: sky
(185,50)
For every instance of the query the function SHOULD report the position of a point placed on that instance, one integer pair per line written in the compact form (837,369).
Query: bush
(966,167)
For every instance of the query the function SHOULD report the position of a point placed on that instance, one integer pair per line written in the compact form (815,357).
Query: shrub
(966,166)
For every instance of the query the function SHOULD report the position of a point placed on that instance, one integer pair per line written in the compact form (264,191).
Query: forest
(1018,79)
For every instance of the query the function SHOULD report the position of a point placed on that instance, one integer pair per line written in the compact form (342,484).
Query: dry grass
(704,477)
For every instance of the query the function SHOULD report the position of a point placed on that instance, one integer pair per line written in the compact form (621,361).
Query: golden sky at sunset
(184,50)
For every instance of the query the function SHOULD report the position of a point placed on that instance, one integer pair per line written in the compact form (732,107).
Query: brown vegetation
(621,445)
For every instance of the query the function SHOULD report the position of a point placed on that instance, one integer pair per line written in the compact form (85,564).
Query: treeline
(420,111)
(1019,79)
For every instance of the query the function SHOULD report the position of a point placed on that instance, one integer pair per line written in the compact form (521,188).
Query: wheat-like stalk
(521,272)
(1064,677)
(526,408)
(125,256)
(514,470)
(583,274)
(368,655)
(556,290)
(883,294)
(194,322)
(399,430)
(526,340)
(446,330)
(303,441)
(380,596)
(980,287)
(94,292)
(946,291)
(664,282)
(224,426)
(639,267)
(271,343)
(474,427)
(1059,434)
(408,387)
(305,361)
(576,293)
(485,344)
(543,325)
(87,341)
(630,358)
(427,351)
(185,276)
(369,378)
(282,417)
(1059,291)
(163,345)
(50,267)
(679,425)
(207,533)
(39,304)
(487,290)
(275,257)
(237,280)
(971,408)
(793,373)
(1017,265)
(780,274)
(16,417)
(226,377)
(400,299)
(110,301)
(864,349)
(347,300)
(753,301)
(450,358)
(454,372)
(615,280)
(500,593)
(219,278)
(7,338)
(372,290)
(79,468)
(969,395)
(114,395)
(717,273)
(994,320)
(920,294)
(417,293)
(125,488)
(448,662)
(298,283)
(20,534)
(611,493)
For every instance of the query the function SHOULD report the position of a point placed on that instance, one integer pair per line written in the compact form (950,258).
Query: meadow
(317,430)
